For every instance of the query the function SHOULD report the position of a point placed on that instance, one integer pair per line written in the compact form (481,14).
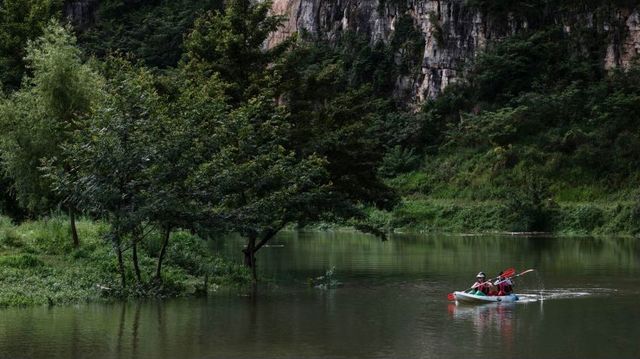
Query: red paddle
(507,273)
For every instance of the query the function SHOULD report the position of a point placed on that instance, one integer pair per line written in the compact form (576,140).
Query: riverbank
(486,205)
(458,216)
(467,190)
(38,265)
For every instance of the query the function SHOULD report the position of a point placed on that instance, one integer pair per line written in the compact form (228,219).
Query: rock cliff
(453,32)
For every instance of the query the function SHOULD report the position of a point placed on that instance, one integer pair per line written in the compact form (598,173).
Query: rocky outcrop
(81,12)
(625,45)
(453,32)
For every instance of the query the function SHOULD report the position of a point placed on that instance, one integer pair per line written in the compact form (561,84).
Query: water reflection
(123,312)
(495,317)
(393,304)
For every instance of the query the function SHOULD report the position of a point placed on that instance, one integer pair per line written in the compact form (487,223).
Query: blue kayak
(462,297)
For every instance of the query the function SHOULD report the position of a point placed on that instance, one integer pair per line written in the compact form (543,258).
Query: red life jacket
(484,287)
(505,287)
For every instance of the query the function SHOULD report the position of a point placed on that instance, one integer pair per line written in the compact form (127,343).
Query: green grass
(470,191)
(438,215)
(38,265)
(567,218)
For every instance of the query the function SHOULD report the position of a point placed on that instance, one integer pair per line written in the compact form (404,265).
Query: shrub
(530,205)
(586,218)
(398,160)
(10,238)
(189,252)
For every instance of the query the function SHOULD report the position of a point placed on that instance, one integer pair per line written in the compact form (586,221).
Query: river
(391,304)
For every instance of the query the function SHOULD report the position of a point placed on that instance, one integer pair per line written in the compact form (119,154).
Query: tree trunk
(118,248)
(136,267)
(250,256)
(163,250)
(253,247)
(74,230)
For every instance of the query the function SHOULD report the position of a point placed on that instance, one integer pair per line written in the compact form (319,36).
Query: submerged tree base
(39,266)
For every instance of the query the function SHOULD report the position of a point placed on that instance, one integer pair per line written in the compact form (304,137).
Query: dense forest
(151,137)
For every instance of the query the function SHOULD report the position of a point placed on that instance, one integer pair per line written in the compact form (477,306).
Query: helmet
(481,275)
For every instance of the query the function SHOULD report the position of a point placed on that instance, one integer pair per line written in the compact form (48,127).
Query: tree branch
(270,233)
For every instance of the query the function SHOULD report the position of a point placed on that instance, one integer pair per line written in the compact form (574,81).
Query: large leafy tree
(45,115)
(284,154)
(112,158)
(20,21)
(182,142)
(255,183)
(338,109)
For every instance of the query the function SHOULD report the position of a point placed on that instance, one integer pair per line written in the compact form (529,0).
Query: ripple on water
(566,293)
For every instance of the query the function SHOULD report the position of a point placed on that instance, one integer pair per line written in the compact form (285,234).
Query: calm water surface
(392,305)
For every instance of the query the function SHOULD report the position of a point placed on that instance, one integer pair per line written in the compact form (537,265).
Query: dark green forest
(162,123)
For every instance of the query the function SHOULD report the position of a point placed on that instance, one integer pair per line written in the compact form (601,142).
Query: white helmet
(481,275)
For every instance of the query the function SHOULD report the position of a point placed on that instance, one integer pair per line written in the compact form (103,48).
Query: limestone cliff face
(625,44)
(453,32)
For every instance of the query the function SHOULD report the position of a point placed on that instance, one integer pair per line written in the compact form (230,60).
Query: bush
(530,206)
(398,160)
(9,237)
(189,252)
(585,218)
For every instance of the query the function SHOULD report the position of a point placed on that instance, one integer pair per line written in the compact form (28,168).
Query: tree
(229,44)
(338,113)
(151,31)
(111,158)
(254,183)
(20,21)
(44,116)
(308,156)
(183,141)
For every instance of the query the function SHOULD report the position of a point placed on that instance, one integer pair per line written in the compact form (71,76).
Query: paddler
(481,286)
(504,285)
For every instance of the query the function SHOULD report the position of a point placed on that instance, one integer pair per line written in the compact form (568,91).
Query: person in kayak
(503,285)
(481,286)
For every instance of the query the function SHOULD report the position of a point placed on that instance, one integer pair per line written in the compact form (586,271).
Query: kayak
(462,297)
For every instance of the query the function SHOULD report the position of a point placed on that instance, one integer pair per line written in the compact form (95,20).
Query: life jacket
(505,287)
(484,287)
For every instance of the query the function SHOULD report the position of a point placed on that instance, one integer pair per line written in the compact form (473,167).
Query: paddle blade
(508,273)
(525,272)
(450,296)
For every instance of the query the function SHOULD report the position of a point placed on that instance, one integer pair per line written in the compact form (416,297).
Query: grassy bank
(38,265)
(470,192)
(566,218)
